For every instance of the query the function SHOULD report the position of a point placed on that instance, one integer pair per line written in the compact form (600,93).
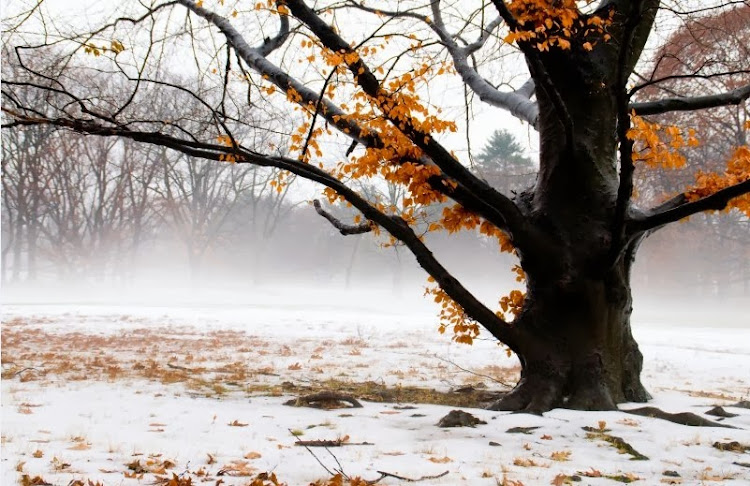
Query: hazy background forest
(83,215)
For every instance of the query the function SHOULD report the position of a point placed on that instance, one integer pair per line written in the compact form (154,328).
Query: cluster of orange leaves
(549,23)
(659,146)
(738,170)
(227,141)
(465,329)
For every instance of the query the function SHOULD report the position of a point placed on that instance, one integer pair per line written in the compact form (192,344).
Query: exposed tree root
(720,412)
(534,394)
(327,400)
(733,446)
(683,418)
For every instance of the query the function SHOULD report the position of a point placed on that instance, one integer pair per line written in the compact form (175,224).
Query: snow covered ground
(131,394)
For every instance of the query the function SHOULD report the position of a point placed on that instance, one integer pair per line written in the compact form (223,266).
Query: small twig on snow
(29,368)
(384,475)
(481,375)
(298,442)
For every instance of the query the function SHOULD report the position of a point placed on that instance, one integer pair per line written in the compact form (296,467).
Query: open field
(133,395)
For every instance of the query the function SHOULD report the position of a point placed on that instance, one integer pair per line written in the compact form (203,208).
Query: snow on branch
(517,102)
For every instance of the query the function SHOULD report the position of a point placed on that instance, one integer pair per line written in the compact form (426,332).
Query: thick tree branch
(676,208)
(539,73)
(344,229)
(483,194)
(394,225)
(733,97)
(516,102)
(625,188)
(270,45)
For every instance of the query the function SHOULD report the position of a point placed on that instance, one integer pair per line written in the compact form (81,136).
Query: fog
(93,221)
(683,276)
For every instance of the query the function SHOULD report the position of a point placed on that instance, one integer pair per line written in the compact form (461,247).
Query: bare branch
(514,102)
(256,59)
(270,45)
(344,229)
(733,97)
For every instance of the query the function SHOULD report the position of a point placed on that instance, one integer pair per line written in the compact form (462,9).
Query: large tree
(373,72)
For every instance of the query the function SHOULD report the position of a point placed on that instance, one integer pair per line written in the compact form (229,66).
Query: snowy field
(134,395)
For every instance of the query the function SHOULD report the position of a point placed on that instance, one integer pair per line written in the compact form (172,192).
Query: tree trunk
(574,338)
(576,348)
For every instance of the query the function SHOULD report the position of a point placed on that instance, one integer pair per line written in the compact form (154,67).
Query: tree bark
(574,338)
(576,346)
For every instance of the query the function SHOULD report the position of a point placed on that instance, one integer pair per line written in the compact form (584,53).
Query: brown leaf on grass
(236,468)
(561,479)
(26,480)
(59,465)
(269,479)
(237,423)
(175,480)
(591,473)
(629,422)
(136,467)
(440,460)
(560,455)
(80,446)
(523,462)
